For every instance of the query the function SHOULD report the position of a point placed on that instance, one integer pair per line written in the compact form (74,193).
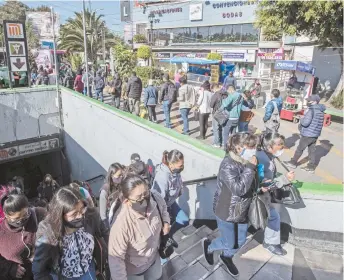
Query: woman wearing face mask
(110,190)
(18,236)
(68,238)
(169,184)
(236,182)
(272,147)
(203,104)
(135,235)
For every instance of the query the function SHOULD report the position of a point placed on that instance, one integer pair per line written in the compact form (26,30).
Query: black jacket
(236,181)
(215,103)
(47,252)
(164,91)
(134,88)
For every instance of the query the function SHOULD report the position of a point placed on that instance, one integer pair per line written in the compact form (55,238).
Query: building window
(141,29)
(249,33)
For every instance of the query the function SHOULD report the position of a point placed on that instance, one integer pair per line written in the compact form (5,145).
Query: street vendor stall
(299,87)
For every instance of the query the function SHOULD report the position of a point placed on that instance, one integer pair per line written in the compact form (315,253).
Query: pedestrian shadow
(320,151)
(291,140)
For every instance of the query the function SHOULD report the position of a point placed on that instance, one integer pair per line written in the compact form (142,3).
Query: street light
(151,17)
(85,48)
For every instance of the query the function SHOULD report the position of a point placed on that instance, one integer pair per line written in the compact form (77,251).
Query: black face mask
(77,223)
(178,170)
(19,224)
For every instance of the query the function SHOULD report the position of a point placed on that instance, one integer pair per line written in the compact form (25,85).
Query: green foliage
(42,8)
(338,101)
(72,36)
(144,52)
(144,73)
(75,60)
(320,20)
(140,38)
(214,56)
(125,59)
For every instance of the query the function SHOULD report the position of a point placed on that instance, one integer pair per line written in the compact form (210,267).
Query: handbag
(258,212)
(196,115)
(167,244)
(222,115)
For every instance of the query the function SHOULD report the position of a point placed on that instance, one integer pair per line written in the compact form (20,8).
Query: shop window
(203,34)
(218,33)
(249,33)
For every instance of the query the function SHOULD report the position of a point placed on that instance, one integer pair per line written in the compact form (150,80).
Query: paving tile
(220,274)
(194,272)
(204,232)
(205,263)
(190,229)
(277,268)
(193,253)
(173,267)
(290,252)
(323,261)
(327,275)
(187,242)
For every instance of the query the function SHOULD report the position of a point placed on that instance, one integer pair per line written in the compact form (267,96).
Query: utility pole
(85,48)
(151,20)
(54,42)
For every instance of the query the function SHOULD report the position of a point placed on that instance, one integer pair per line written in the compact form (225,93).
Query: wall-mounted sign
(271,54)
(285,65)
(162,55)
(125,10)
(16,47)
(196,11)
(232,15)
(220,5)
(167,11)
(190,55)
(43,25)
(28,149)
(238,55)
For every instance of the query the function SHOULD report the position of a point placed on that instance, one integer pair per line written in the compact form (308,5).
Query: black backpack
(172,92)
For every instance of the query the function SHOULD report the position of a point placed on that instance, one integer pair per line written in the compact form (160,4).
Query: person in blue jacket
(269,116)
(151,100)
(310,129)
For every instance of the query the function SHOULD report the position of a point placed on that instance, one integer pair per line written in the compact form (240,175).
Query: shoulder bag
(167,244)
(222,115)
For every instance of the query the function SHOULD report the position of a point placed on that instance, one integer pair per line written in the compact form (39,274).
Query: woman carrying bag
(236,183)
(203,106)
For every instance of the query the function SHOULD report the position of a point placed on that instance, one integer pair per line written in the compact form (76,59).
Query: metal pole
(103,41)
(151,48)
(85,48)
(54,40)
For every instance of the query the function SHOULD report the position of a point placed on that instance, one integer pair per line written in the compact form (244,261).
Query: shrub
(144,73)
(338,101)
(140,38)
(144,52)
(214,56)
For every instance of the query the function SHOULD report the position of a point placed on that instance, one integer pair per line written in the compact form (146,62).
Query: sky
(66,9)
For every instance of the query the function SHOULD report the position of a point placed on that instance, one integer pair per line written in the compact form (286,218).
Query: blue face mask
(247,154)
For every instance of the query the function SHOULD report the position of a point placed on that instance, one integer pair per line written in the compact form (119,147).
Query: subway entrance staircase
(252,260)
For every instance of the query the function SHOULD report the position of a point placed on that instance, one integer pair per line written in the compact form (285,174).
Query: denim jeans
(185,117)
(99,94)
(116,101)
(272,233)
(167,111)
(243,126)
(226,240)
(217,131)
(89,92)
(180,217)
(227,129)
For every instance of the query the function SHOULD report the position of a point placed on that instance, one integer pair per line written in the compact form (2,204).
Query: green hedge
(144,72)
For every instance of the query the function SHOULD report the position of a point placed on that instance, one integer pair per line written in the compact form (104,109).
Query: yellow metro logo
(14,29)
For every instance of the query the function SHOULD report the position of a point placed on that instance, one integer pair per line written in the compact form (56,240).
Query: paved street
(329,147)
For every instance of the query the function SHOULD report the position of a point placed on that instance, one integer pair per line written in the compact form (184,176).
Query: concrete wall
(28,113)
(98,135)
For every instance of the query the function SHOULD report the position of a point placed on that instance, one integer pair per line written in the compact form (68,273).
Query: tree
(125,59)
(140,38)
(72,35)
(42,8)
(144,52)
(321,21)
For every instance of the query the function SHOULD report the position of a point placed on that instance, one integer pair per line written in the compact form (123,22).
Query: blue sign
(287,65)
(47,45)
(233,55)
(304,67)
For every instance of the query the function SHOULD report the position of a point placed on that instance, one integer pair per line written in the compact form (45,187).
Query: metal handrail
(189,182)
(95,178)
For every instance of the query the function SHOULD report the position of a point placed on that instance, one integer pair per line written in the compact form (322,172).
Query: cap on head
(313,98)
(135,157)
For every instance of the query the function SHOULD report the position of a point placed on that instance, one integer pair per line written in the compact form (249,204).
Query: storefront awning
(190,60)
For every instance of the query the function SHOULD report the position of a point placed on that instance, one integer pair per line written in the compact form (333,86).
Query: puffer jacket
(134,88)
(236,182)
(270,108)
(169,185)
(312,122)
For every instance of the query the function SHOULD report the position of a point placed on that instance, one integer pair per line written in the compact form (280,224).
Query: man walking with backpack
(272,112)
(310,129)
(99,85)
(168,96)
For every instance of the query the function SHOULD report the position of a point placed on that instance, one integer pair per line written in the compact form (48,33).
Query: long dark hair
(130,182)
(108,180)
(173,156)
(15,203)
(241,140)
(63,202)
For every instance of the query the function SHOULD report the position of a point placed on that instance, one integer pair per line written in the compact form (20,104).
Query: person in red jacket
(78,84)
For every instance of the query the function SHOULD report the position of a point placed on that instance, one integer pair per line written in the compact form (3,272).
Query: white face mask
(278,153)
(248,154)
